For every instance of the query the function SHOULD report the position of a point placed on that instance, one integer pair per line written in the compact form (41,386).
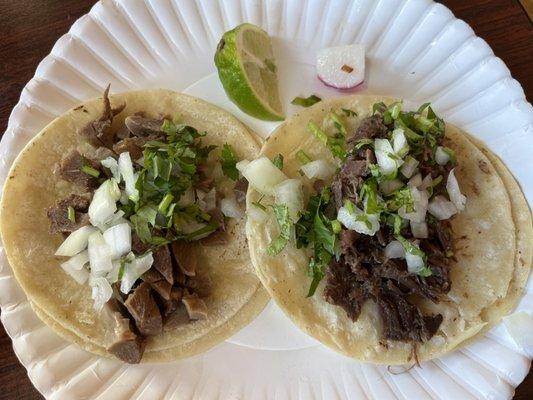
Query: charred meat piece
(185,255)
(163,263)
(370,128)
(346,182)
(70,169)
(138,246)
(195,306)
(99,132)
(58,214)
(127,346)
(217,238)
(143,308)
(241,186)
(142,126)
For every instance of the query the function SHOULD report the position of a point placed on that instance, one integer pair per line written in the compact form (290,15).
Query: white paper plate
(416,49)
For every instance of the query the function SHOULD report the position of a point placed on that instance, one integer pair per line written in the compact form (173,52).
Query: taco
(388,235)
(122,221)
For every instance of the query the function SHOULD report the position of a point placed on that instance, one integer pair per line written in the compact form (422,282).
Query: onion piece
(101,292)
(74,267)
(387,187)
(241,165)
(399,143)
(415,263)
(207,201)
(394,250)
(130,178)
(319,169)
(75,242)
(263,175)
(133,271)
(441,208)
(426,182)
(230,208)
(383,151)
(103,204)
(112,164)
(452,187)
(409,166)
(256,214)
(342,67)
(415,181)
(100,255)
(118,238)
(112,276)
(419,229)
(367,224)
(291,193)
(441,156)
(420,199)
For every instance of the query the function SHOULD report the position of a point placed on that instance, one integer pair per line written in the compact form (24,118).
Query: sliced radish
(341,67)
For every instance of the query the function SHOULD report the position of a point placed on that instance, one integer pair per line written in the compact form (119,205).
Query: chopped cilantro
(303,157)
(278,161)
(229,160)
(71,214)
(306,101)
(284,221)
(348,112)
(87,169)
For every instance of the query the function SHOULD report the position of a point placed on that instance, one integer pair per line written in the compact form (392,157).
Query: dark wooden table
(29,28)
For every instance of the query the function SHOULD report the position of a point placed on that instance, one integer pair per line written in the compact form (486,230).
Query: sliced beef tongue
(163,263)
(196,307)
(142,126)
(179,316)
(142,307)
(99,132)
(186,258)
(132,145)
(158,283)
(241,186)
(70,169)
(126,345)
(58,214)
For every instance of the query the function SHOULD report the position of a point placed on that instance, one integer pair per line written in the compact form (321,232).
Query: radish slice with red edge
(341,67)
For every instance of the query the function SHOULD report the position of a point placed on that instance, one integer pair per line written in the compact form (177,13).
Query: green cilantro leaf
(281,212)
(306,101)
(229,160)
(278,161)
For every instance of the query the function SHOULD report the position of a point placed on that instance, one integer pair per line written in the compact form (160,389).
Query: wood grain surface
(29,28)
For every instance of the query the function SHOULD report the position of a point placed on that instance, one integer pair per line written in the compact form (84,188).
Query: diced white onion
(100,256)
(263,175)
(383,150)
(74,267)
(112,165)
(399,143)
(409,166)
(441,208)
(207,201)
(426,182)
(349,220)
(187,198)
(118,238)
(256,214)
(241,165)
(419,229)
(130,178)
(103,204)
(415,181)
(319,169)
(441,156)
(134,269)
(75,242)
(291,193)
(112,276)
(387,187)
(394,250)
(101,292)
(118,218)
(420,205)
(414,263)
(452,186)
(230,208)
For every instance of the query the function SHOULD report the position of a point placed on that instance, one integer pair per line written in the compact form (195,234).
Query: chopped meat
(318,185)
(178,317)
(133,145)
(151,276)
(185,256)
(127,346)
(163,263)
(58,214)
(171,304)
(218,217)
(138,246)
(346,182)
(370,128)
(217,238)
(70,169)
(99,132)
(141,126)
(158,283)
(143,308)
(196,307)
(205,183)
(102,153)
(241,186)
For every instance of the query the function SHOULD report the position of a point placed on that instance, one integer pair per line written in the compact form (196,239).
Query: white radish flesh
(341,67)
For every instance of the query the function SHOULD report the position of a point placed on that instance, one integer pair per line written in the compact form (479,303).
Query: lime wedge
(246,68)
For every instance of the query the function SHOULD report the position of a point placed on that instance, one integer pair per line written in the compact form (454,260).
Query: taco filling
(378,222)
(146,197)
